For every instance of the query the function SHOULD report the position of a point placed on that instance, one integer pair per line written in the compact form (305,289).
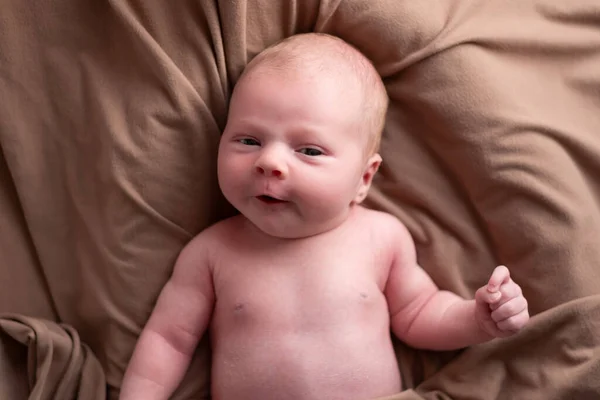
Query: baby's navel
(238,307)
(363,295)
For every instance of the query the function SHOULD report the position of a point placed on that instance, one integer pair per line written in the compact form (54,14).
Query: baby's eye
(249,142)
(309,151)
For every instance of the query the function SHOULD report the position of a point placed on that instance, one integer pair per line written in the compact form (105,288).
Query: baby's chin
(294,231)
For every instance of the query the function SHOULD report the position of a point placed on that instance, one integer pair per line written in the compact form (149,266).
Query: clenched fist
(501,310)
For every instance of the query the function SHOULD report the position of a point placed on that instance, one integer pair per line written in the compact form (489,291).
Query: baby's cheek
(333,196)
(233,172)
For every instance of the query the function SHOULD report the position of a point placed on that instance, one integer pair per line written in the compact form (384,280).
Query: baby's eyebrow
(250,124)
(307,133)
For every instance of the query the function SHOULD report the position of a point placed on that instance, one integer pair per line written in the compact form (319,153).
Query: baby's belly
(331,358)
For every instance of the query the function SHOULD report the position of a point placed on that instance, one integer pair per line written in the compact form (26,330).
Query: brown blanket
(110,115)
(41,359)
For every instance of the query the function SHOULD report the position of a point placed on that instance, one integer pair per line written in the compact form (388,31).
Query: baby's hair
(326,53)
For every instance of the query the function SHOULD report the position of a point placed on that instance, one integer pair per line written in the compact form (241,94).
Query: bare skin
(301,322)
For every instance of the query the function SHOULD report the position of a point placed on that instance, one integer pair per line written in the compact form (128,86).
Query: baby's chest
(298,287)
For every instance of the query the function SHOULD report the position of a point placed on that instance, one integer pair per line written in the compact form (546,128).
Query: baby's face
(291,159)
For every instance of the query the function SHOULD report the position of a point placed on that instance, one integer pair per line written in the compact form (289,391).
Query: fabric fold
(55,364)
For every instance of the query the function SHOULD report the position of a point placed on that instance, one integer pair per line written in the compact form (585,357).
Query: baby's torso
(303,319)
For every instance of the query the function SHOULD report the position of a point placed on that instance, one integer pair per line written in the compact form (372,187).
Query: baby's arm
(425,317)
(178,321)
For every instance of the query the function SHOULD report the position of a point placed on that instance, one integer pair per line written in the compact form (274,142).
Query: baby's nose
(271,164)
(270,172)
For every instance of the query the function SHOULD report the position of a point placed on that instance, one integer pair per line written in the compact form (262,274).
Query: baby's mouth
(269,199)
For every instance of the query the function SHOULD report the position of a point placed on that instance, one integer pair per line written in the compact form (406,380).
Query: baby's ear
(369,172)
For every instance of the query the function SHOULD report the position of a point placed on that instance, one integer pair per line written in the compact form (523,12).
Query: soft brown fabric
(44,360)
(110,115)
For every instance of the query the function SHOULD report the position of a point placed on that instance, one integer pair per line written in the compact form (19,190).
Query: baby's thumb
(485,295)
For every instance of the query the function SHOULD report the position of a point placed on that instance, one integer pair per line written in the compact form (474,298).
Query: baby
(300,291)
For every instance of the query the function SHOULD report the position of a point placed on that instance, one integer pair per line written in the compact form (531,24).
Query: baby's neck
(264,237)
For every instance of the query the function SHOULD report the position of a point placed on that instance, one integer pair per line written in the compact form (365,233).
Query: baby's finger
(483,295)
(514,323)
(509,309)
(509,291)
(499,276)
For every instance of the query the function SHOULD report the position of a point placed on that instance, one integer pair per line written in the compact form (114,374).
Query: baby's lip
(265,198)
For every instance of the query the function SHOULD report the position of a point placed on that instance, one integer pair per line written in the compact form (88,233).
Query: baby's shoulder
(211,236)
(384,227)
(380,221)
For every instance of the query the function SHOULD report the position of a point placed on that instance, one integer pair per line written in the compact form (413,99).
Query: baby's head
(322,56)
(304,125)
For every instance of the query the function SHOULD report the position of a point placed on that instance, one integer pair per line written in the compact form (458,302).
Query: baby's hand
(501,309)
